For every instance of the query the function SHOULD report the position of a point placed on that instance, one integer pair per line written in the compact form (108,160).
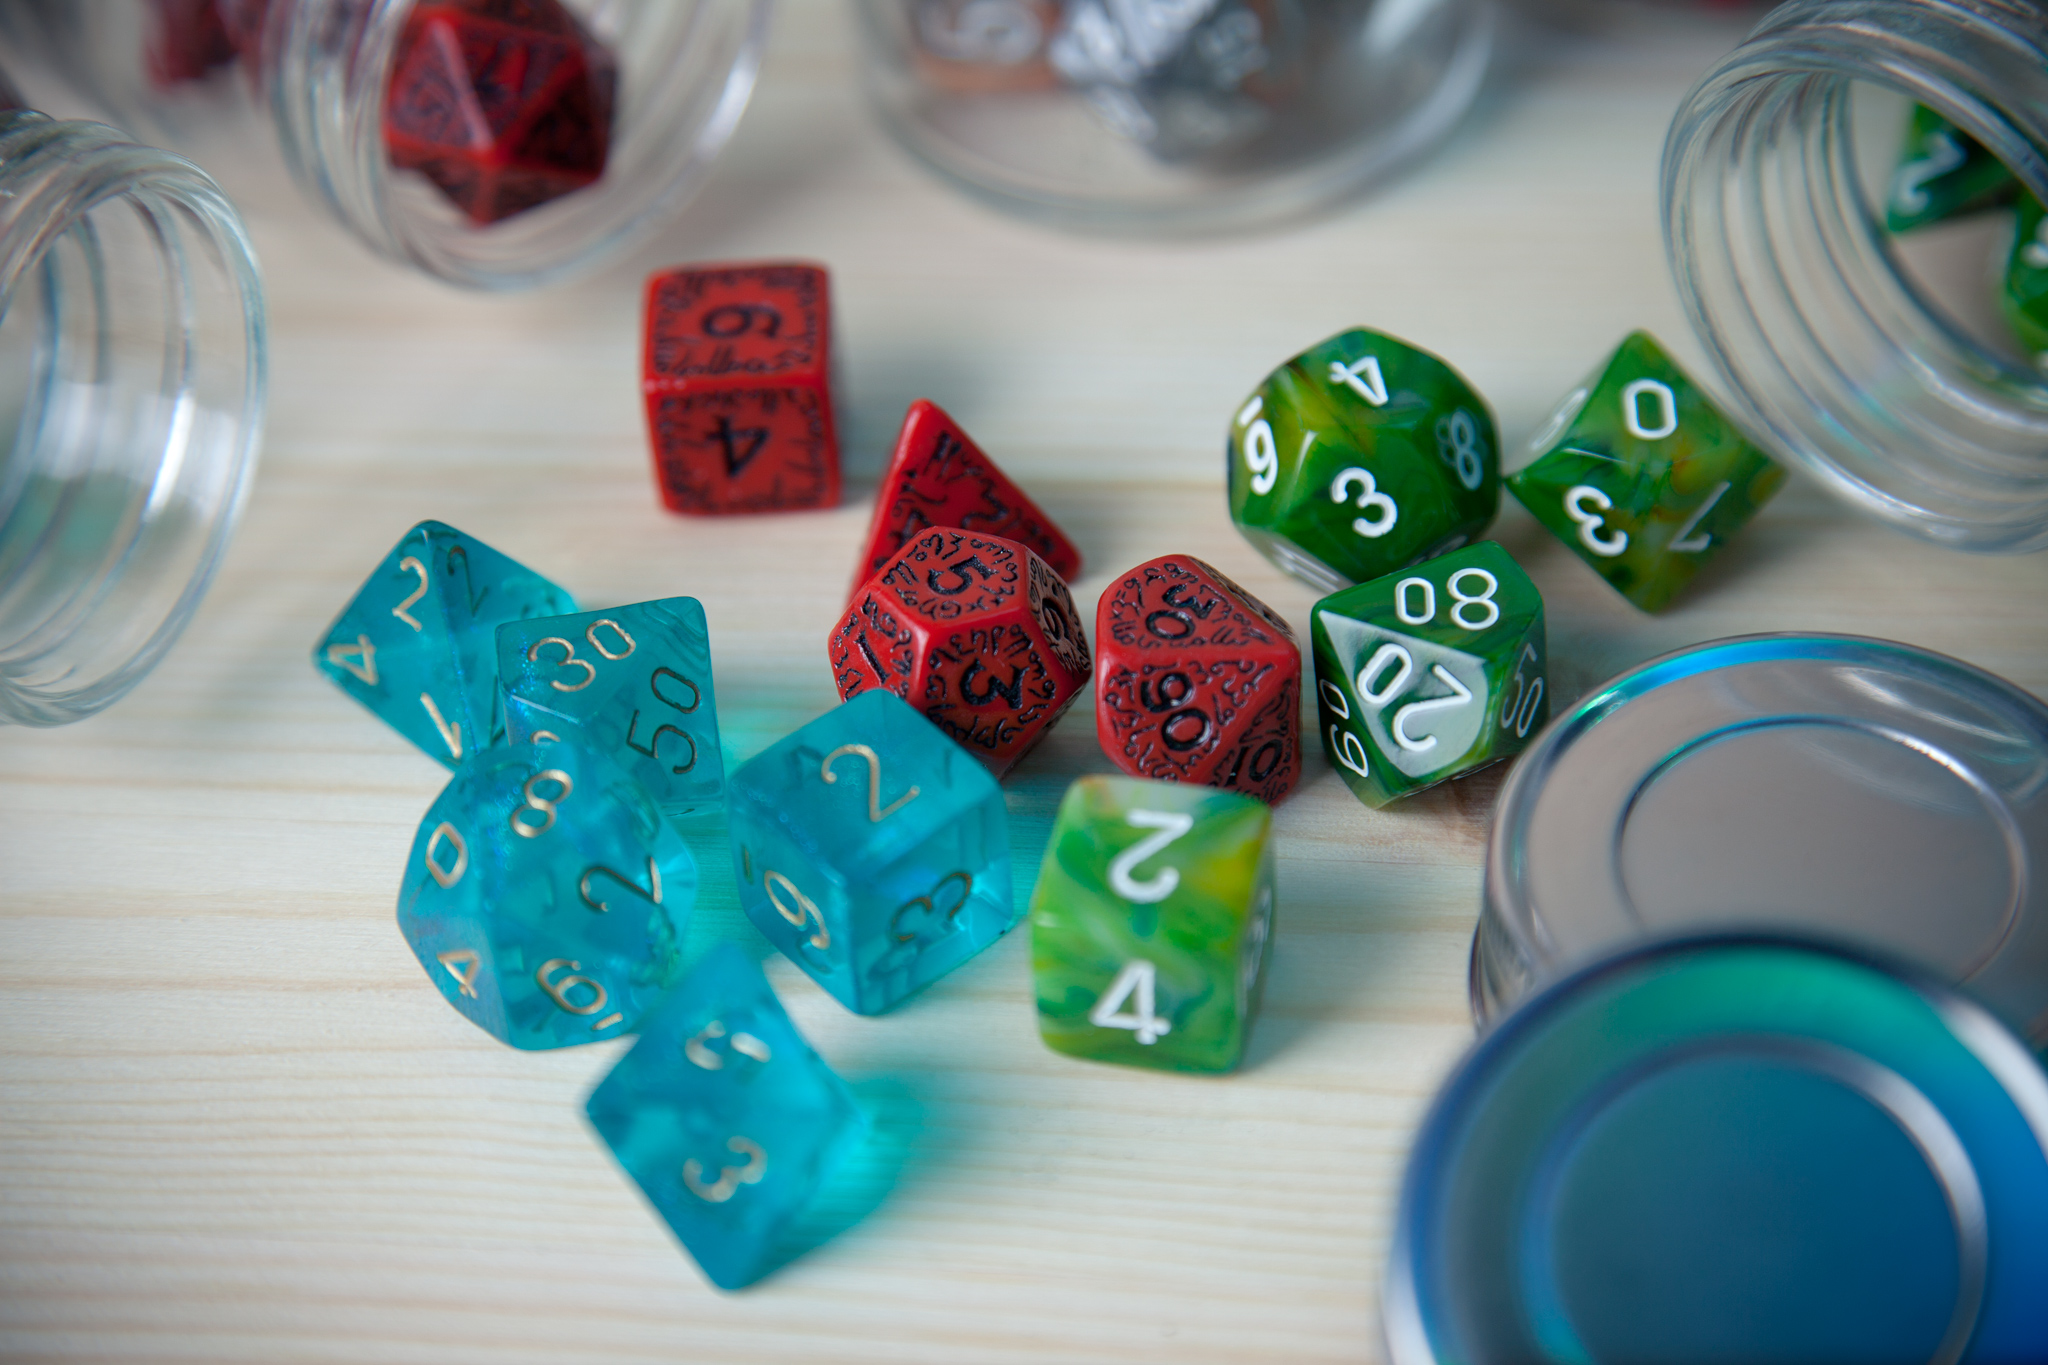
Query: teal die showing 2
(725,1118)
(632,682)
(415,645)
(546,897)
(872,849)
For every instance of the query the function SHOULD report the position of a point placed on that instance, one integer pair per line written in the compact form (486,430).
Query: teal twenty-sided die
(632,682)
(546,897)
(726,1119)
(415,644)
(871,849)
(2024,297)
(1430,672)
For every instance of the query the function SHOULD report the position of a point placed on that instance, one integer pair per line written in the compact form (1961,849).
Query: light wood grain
(236,1125)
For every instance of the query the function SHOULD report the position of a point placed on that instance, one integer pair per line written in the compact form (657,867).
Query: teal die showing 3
(546,897)
(632,682)
(872,849)
(415,644)
(725,1118)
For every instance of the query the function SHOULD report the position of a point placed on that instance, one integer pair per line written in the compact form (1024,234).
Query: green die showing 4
(1943,173)
(1643,477)
(2025,295)
(1149,925)
(1429,673)
(1359,456)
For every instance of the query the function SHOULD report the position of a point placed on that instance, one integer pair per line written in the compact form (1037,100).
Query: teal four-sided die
(872,849)
(415,643)
(546,897)
(634,683)
(725,1118)
(1429,672)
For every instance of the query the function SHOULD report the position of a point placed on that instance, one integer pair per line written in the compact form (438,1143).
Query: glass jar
(132,379)
(1171,115)
(320,70)
(1834,354)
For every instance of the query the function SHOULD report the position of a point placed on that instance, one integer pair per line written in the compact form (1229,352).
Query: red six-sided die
(1196,680)
(976,632)
(738,378)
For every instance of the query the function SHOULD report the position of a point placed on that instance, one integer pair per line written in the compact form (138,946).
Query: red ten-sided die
(976,632)
(1197,681)
(738,378)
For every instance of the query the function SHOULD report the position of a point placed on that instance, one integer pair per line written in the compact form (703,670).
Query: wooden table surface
(236,1124)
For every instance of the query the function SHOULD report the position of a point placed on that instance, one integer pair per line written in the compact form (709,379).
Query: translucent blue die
(725,1118)
(632,682)
(871,849)
(546,897)
(415,644)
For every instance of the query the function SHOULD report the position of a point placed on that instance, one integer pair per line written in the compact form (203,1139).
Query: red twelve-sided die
(977,632)
(738,378)
(1197,681)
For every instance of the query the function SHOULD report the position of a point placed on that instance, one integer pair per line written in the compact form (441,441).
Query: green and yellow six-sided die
(1358,456)
(1429,672)
(1150,922)
(1642,476)
(2025,295)
(1943,173)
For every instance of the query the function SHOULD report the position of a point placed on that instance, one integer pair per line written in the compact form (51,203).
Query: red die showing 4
(503,104)
(1198,681)
(940,478)
(737,375)
(976,632)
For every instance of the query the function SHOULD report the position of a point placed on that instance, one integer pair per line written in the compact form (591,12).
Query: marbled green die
(1150,922)
(1642,476)
(2025,294)
(1359,456)
(1430,672)
(1943,173)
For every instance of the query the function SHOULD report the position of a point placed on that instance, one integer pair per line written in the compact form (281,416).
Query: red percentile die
(738,378)
(503,104)
(1196,680)
(976,632)
(940,478)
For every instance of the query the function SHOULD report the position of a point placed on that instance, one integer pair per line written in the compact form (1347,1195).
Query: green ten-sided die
(1359,456)
(1642,476)
(2025,296)
(1149,925)
(1429,672)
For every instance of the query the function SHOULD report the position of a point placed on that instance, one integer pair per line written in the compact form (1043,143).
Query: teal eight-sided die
(725,1118)
(546,897)
(871,849)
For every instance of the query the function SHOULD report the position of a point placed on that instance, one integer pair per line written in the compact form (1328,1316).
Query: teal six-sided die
(725,1118)
(633,682)
(415,644)
(546,897)
(871,849)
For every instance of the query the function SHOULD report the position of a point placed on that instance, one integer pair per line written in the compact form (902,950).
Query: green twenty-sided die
(1149,925)
(2025,294)
(1359,456)
(1943,173)
(1429,672)
(1642,476)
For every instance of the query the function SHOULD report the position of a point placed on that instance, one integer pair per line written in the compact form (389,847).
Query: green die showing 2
(1359,456)
(1643,477)
(1429,673)
(1943,173)
(1149,925)
(2025,295)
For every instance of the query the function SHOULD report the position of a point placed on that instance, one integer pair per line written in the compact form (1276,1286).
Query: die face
(1642,476)
(750,321)
(1943,173)
(872,851)
(632,682)
(545,897)
(2024,297)
(1430,672)
(415,645)
(1196,681)
(1359,456)
(976,632)
(725,1118)
(1149,925)
(940,478)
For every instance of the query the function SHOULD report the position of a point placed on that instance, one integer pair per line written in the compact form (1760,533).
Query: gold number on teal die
(1943,173)
(2025,295)
(1429,672)
(1358,456)
(1642,476)
(1150,922)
